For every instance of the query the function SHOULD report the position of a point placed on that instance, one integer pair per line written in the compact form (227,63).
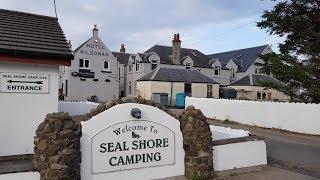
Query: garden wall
(296,117)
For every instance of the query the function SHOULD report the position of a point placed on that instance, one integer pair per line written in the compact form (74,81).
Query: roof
(177,75)
(244,58)
(256,80)
(122,58)
(32,35)
(165,52)
(81,45)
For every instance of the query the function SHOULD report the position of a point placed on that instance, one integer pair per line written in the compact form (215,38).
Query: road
(290,151)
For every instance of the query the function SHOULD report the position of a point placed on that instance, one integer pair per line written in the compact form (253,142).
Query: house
(123,58)
(233,65)
(249,87)
(32,47)
(223,68)
(172,81)
(94,72)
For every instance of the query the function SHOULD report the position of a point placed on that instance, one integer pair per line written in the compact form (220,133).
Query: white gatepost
(116,145)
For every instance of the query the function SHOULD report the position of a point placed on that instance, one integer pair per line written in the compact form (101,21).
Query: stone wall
(57,148)
(197,143)
(57,142)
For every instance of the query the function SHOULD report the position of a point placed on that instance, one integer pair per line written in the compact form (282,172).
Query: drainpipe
(171,93)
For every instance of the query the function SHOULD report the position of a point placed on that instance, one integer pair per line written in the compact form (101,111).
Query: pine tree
(298,63)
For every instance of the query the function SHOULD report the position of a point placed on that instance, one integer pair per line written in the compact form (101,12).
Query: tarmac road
(290,151)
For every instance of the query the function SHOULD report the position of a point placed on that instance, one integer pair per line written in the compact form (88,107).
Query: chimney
(95,31)
(122,49)
(176,49)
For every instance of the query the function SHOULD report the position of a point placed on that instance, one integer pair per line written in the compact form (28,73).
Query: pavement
(255,173)
(289,151)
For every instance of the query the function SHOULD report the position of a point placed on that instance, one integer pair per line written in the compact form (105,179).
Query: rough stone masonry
(57,142)
(197,144)
(57,148)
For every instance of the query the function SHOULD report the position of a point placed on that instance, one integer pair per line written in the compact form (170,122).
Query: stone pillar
(197,143)
(57,148)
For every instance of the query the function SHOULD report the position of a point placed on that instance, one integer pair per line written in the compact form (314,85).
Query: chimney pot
(176,49)
(95,31)
(122,49)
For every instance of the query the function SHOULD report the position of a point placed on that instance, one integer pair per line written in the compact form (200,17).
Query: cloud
(142,23)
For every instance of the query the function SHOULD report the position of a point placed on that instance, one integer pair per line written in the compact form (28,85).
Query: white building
(223,68)
(93,74)
(31,50)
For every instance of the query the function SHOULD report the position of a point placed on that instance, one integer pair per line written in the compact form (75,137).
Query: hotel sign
(132,144)
(11,82)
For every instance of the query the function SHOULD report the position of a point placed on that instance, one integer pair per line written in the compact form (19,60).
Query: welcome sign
(132,144)
(115,145)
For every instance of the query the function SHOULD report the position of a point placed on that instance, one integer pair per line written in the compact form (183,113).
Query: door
(187,88)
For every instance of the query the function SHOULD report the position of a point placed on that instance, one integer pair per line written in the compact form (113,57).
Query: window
(106,65)
(232,73)
(257,70)
(84,63)
(137,66)
(130,88)
(209,91)
(187,88)
(217,70)
(261,95)
(130,67)
(154,65)
(188,65)
(66,88)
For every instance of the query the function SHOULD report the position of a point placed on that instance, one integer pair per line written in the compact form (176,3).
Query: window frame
(154,63)
(84,60)
(104,65)
(218,69)
(188,65)
(209,90)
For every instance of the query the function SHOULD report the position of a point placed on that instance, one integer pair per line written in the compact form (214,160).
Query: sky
(211,26)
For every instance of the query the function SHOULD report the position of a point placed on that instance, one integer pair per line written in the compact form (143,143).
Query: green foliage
(299,22)
(196,177)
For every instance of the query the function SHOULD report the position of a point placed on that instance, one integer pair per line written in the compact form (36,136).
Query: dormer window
(257,71)
(154,65)
(188,65)
(84,63)
(232,73)
(217,70)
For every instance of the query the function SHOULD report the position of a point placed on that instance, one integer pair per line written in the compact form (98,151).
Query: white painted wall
(296,117)
(19,176)
(239,155)
(76,108)
(119,114)
(21,113)
(220,132)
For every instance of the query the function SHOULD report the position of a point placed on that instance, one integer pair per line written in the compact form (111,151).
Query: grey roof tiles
(177,75)
(32,35)
(256,80)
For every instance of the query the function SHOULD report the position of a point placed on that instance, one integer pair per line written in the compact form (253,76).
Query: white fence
(76,108)
(296,117)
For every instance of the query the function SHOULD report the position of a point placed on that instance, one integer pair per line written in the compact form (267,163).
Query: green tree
(298,63)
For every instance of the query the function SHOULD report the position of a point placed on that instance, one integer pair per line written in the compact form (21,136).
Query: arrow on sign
(31,82)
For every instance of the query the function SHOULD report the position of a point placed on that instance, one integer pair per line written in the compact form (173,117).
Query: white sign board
(11,82)
(114,145)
